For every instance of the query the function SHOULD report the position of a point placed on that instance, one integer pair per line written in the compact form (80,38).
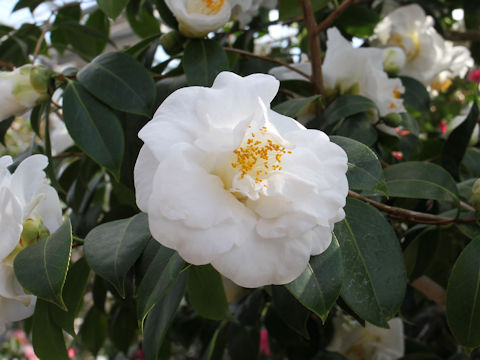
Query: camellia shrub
(253,179)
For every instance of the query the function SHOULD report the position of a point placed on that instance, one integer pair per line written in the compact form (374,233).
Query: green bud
(393,60)
(30,84)
(40,78)
(392,119)
(475,199)
(172,42)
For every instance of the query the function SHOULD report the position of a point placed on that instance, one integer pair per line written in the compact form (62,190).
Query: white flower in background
(59,136)
(393,60)
(225,180)
(356,342)
(30,208)
(349,70)
(359,71)
(244,15)
(426,51)
(22,89)
(283,73)
(196,18)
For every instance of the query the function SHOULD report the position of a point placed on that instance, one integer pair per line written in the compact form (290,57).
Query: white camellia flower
(349,70)
(427,53)
(59,136)
(244,15)
(30,208)
(22,89)
(226,180)
(196,18)
(356,342)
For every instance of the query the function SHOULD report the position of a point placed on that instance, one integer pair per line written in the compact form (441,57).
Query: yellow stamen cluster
(212,6)
(259,157)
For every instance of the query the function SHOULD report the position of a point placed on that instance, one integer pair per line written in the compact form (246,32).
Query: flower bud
(22,89)
(392,119)
(393,60)
(172,42)
(475,199)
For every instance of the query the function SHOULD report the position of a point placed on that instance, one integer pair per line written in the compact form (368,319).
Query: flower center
(205,7)
(259,156)
(410,43)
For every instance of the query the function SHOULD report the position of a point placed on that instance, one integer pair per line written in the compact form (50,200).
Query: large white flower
(22,89)
(426,51)
(356,342)
(225,180)
(29,208)
(196,18)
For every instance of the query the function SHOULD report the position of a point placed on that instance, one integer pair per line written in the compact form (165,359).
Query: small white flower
(244,14)
(29,208)
(427,53)
(225,180)
(22,89)
(196,18)
(356,342)
(59,136)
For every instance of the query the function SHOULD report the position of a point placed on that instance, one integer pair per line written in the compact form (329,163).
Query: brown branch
(38,45)
(266,58)
(8,65)
(67,154)
(56,103)
(334,15)
(314,47)
(469,35)
(430,289)
(409,215)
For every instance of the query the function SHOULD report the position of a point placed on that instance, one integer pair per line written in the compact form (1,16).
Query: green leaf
(203,60)
(166,15)
(123,325)
(294,107)
(345,106)
(41,268)
(94,127)
(458,141)
(73,292)
(31,4)
(318,287)
(374,279)
(4,126)
(420,180)
(358,127)
(416,95)
(418,254)
(216,347)
(57,34)
(47,337)
(99,22)
(141,19)
(161,273)
(94,330)
(358,21)
(112,248)
(290,9)
(364,169)
(159,319)
(206,293)
(35,117)
(463,296)
(112,8)
(290,310)
(121,82)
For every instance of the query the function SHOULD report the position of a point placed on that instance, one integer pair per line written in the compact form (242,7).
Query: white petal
(12,297)
(11,220)
(144,170)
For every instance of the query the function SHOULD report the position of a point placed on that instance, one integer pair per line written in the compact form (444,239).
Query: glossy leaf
(119,81)
(358,21)
(166,15)
(290,9)
(94,127)
(4,126)
(372,262)
(463,296)
(290,310)
(416,95)
(41,268)
(203,60)
(159,319)
(111,249)
(112,8)
(93,330)
(73,292)
(47,337)
(295,107)
(141,19)
(123,325)
(318,287)
(345,106)
(420,180)
(99,22)
(161,273)
(364,169)
(206,293)
(458,141)
(358,127)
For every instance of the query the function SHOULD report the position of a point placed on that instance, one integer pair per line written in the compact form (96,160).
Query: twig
(315,50)
(431,290)
(56,103)
(335,14)
(38,45)
(67,154)
(410,215)
(469,35)
(7,64)
(266,58)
